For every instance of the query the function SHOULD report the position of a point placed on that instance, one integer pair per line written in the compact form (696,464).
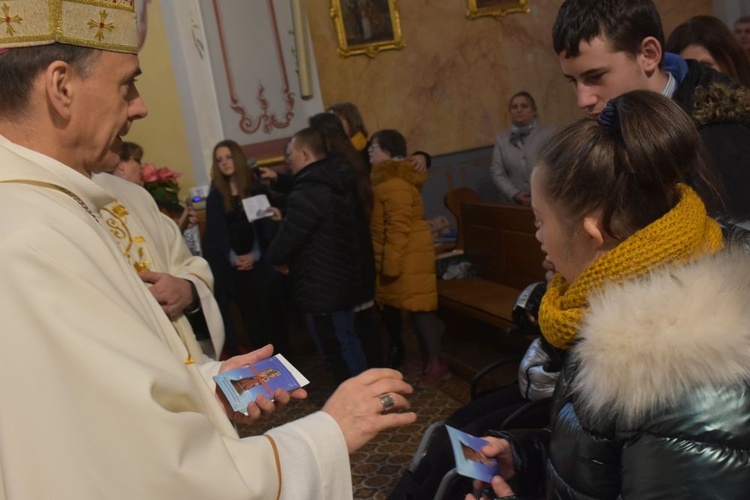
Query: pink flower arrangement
(149,173)
(161,183)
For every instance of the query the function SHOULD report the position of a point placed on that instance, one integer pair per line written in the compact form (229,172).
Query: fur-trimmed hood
(708,96)
(648,343)
(397,169)
(721,103)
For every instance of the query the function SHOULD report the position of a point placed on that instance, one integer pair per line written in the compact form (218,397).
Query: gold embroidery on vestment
(9,20)
(118,226)
(101,25)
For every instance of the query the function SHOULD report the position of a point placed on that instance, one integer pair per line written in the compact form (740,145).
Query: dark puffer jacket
(318,238)
(720,108)
(654,400)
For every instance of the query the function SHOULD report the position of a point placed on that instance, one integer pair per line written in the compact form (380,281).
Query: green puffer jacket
(654,400)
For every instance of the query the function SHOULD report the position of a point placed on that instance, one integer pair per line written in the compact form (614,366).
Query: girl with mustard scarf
(654,397)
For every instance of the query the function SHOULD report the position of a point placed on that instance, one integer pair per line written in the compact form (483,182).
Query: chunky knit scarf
(359,141)
(682,235)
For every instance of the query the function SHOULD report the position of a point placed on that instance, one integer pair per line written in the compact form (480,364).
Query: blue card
(470,461)
(243,385)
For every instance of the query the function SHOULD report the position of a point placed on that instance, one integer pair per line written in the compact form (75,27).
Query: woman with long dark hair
(234,249)
(708,40)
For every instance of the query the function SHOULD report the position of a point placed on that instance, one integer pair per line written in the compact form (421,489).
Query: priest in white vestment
(102,396)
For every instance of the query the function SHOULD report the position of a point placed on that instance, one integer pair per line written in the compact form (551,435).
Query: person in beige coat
(404,251)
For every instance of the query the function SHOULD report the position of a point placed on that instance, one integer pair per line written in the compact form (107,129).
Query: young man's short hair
(312,140)
(623,23)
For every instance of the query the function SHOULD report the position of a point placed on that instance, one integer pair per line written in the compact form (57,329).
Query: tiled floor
(379,465)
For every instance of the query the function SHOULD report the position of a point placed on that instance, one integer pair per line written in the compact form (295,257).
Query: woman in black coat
(234,249)
(654,397)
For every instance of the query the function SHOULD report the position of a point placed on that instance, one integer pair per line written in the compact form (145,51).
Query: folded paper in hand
(256,207)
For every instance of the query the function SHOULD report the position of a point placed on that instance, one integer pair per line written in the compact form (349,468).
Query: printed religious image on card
(243,385)
(470,461)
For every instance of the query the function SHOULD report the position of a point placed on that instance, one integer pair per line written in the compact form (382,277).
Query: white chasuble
(99,397)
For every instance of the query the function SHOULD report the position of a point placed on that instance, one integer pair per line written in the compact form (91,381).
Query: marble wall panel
(448,89)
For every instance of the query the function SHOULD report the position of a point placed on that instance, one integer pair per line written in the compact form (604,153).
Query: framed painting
(366,26)
(495,8)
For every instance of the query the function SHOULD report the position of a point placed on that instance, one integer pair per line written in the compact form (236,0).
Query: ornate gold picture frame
(496,8)
(366,26)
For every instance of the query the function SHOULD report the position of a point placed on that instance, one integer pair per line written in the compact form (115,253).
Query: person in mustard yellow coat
(404,251)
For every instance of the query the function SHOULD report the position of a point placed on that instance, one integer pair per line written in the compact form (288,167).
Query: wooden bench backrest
(500,240)
(454,200)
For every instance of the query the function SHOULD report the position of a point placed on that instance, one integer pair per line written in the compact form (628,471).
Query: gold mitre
(100,24)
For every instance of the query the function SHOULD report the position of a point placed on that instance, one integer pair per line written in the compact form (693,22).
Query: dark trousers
(258,296)
(370,337)
(427,326)
(336,338)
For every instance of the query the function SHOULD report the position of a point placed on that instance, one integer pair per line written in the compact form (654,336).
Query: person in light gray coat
(516,149)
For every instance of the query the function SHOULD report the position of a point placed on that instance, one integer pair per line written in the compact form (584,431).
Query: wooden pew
(500,241)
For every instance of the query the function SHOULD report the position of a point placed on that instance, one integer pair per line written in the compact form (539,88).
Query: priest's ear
(61,83)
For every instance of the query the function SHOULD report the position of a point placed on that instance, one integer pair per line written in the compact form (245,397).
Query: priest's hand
(175,295)
(369,403)
(263,407)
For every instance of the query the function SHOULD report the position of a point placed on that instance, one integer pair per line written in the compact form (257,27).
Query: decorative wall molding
(235,67)
(268,118)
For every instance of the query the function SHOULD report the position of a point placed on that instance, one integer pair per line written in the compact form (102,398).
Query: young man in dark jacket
(609,47)
(318,242)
